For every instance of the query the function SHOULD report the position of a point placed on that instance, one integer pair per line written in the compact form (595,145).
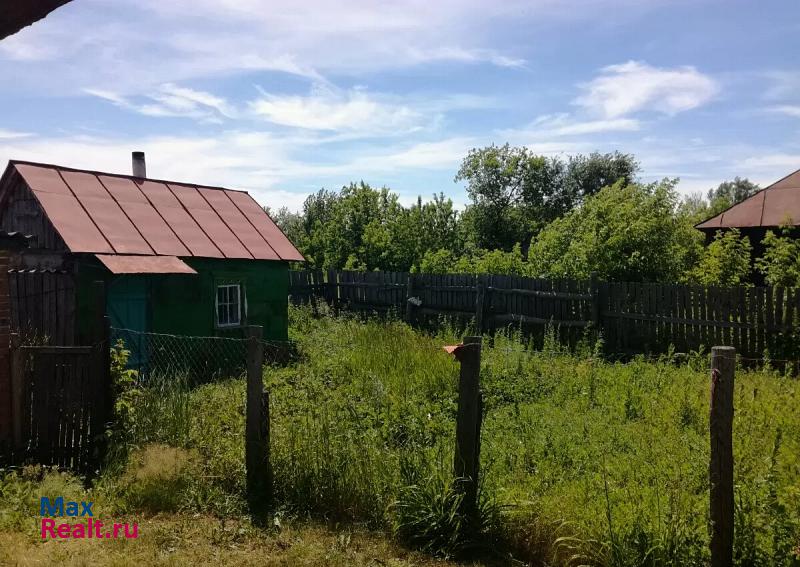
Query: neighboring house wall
(163,303)
(5,351)
(183,304)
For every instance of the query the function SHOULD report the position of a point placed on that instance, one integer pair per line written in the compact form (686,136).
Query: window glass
(229,306)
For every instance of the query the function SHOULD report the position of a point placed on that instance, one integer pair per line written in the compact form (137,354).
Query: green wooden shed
(176,257)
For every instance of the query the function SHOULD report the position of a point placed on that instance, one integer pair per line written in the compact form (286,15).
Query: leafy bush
(21,491)
(479,261)
(724,262)
(624,233)
(780,262)
(125,394)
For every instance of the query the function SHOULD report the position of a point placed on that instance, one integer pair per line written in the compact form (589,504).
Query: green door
(127,300)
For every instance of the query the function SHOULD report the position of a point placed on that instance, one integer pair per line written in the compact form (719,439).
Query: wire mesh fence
(191,360)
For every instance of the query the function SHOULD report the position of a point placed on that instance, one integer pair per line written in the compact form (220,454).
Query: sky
(285,98)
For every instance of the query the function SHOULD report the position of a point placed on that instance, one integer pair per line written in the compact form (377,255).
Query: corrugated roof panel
(43,179)
(181,223)
(770,207)
(265,226)
(158,194)
(713,222)
(158,235)
(792,180)
(747,213)
(144,264)
(124,190)
(106,213)
(239,224)
(781,206)
(139,214)
(72,223)
(63,209)
(144,217)
(210,221)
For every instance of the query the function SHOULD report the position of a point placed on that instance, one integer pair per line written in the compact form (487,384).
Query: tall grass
(583,461)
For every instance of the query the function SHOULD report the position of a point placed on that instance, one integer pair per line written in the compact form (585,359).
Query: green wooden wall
(184,304)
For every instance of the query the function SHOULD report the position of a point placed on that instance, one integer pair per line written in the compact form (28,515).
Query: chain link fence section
(161,357)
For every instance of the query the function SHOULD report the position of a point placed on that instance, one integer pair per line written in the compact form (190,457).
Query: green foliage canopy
(515,192)
(624,233)
(780,263)
(724,262)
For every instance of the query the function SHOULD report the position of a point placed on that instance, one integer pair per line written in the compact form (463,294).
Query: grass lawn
(583,461)
(182,539)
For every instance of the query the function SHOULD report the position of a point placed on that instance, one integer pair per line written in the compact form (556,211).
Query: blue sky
(283,98)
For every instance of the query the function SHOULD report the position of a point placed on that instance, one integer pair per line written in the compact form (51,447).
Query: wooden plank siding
(43,306)
(631,317)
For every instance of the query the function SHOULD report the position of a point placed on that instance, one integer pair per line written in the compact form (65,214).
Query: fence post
(101,338)
(468,424)
(17,392)
(409,295)
(480,302)
(594,291)
(259,481)
(723,364)
(313,279)
(332,290)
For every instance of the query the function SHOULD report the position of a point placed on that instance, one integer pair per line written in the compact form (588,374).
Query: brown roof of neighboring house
(16,15)
(773,206)
(107,213)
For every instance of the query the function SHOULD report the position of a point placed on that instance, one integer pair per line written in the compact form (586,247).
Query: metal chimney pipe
(139,169)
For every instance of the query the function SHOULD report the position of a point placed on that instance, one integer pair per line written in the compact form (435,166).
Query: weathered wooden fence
(60,394)
(60,405)
(43,306)
(631,317)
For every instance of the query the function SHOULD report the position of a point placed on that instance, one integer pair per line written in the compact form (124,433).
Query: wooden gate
(61,400)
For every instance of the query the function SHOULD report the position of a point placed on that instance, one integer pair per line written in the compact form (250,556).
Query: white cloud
(442,154)
(784,161)
(354,111)
(172,100)
(87,46)
(786,109)
(563,125)
(259,162)
(11,134)
(781,84)
(630,87)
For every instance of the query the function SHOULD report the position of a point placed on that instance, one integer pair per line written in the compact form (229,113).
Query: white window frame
(228,304)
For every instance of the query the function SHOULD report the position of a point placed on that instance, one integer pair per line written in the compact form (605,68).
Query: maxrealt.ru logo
(91,528)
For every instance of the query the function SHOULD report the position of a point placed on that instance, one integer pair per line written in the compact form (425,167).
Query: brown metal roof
(144,264)
(771,207)
(107,213)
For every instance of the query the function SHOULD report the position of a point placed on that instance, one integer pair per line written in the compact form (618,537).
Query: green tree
(729,193)
(724,262)
(479,261)
(440,261)
(515,193)
(289,222)
(624,232)
(362,228)
(780,263)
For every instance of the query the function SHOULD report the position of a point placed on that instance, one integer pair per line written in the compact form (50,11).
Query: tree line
(541,216)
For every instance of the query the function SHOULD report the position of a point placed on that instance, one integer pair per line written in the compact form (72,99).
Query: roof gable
(770,207)
(119,214)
